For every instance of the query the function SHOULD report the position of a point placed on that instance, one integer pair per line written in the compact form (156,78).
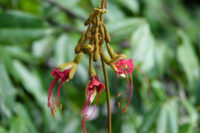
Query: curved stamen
(95,104)
(58,92)
(127,88)
(125,108)
(51,89)
(84,113)
(145,77)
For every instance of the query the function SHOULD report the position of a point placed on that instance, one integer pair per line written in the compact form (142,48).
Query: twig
(108,96)
(103,5)
(64,9)
(64,27)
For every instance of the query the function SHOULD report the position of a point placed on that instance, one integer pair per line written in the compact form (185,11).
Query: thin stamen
(95,104)
(145,77)
(58,92)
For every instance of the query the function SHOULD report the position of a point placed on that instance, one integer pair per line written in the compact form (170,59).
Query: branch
(64,27)
(64,9)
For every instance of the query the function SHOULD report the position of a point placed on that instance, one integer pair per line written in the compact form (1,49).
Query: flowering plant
(92,42)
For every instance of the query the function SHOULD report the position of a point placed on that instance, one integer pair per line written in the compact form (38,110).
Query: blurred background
(162,37)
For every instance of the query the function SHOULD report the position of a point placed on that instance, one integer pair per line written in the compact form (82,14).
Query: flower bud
(88,20)
(106,58)
(79,45)
(78,58)
(73,71)
(118,57)
(65,66)
(110,50)
(96,51)
(88,48)
(107,37)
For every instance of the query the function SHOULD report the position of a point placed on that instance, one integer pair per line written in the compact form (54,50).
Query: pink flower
(64,75)
(124,68)
(94,86)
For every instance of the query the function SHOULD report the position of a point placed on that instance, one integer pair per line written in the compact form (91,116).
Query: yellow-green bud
(78,58)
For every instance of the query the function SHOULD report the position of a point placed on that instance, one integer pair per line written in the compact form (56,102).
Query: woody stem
(107,94)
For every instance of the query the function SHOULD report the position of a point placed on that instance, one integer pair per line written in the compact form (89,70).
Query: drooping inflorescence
(91,43)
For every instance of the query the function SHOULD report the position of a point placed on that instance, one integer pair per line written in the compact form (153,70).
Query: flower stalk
(108,96)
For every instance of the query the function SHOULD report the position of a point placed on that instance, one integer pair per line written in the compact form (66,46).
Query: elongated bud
(88,34)
(107,35)
(91,68)
(65,66)
(78,58)
(94,21)
(92,71)
(96,51)
(93,29)
(106,58)
(101,45)
(110,50)
(102,39)
(98,20)
(79,45)
(113,67)
(88,20)
(73,71)
(88,48)
(117,58)
(114,60)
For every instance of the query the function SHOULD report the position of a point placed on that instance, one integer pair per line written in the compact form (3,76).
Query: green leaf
(95,3)
(172,109)
(19,53)
(186,128)
(7,95)
(150,119)
(3,130)
(122,28)
(21,28)
(31,82)
(188,59)
(18,125)
(158,89)
(153,55)
(114,13)
(132,5)
(143,45)
(64,48)
(18,19)
(168,118)
(22,36)
(128,128)
(23,113)
(161,126)
(193,114)
(42,48)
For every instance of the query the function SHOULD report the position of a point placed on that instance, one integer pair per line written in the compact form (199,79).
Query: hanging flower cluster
(92,42)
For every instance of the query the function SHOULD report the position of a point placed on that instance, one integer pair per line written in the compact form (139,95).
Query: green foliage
(161,36)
